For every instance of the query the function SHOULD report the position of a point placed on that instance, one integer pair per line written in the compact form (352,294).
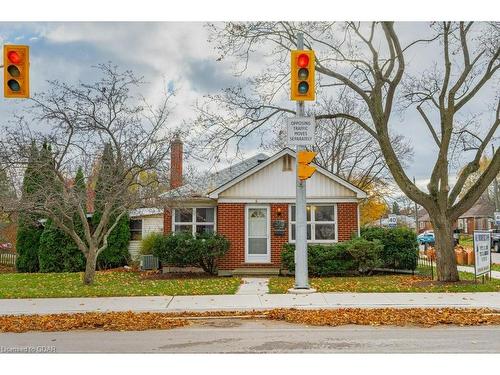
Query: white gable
(272,182)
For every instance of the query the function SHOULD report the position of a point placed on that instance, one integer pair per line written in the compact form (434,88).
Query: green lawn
(495,267)
(466,241)
(107,284)
(384,284)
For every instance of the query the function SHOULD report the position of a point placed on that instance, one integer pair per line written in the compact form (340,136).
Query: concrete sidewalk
(494,274)
(249,302)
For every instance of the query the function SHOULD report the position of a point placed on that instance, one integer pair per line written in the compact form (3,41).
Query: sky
(178,57)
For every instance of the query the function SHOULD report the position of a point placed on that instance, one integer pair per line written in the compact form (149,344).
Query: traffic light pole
(301,273)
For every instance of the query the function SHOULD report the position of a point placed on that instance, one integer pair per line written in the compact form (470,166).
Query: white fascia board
(287,200)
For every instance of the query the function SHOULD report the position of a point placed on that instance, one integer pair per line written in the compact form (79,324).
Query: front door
(257,235)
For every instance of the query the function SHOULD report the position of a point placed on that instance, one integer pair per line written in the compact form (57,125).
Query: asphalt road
(262,336)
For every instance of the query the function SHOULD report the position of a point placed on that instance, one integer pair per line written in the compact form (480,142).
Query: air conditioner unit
(149,262)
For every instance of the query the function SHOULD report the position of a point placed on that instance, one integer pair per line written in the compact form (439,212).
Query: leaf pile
(109,321)
(388,316)
(130,321)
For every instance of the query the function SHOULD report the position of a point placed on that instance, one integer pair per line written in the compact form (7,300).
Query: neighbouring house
(142,222)
(252,203)
(478,217)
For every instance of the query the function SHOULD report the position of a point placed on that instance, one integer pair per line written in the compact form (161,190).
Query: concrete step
(256,271)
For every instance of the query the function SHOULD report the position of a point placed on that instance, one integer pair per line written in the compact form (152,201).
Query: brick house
(478,217)
(252,204)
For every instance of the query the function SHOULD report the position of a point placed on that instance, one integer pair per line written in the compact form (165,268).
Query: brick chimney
(176,162)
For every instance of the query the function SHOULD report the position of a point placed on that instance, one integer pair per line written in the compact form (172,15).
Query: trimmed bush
(212,247)
(184,250)
(365,254)
(400,246)
(150,242)
(357,256)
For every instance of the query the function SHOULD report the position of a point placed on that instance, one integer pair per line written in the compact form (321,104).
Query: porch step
(255,271)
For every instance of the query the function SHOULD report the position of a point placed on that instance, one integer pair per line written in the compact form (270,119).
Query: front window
(194,220)
(321,224)
(136,230)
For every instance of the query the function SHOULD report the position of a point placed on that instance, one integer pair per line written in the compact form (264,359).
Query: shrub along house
(252,205)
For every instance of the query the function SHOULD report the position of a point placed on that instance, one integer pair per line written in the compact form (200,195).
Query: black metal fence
(426,266)
(7,258)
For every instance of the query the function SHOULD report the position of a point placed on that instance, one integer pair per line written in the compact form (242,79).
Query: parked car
(495,240)
(426,237)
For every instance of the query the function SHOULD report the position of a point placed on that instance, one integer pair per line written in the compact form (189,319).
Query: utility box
(149,262)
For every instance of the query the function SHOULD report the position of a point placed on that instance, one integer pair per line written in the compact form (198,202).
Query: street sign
(482,252)
(300,131)
(393,220)
(497,218)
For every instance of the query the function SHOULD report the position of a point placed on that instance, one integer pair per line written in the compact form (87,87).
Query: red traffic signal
(16,74)
(302,78)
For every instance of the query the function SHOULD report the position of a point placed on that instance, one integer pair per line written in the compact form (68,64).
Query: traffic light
(303,75)
(16,71)
(304,158)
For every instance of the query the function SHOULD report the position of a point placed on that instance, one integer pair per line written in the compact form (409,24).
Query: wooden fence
(7,258)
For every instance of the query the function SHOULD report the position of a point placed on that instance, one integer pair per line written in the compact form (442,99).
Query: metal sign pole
(301,273)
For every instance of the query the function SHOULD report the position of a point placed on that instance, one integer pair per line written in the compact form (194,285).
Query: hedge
(357,256)
(184,250)
(400,246)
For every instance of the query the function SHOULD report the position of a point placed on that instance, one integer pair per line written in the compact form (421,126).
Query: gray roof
(482,208)
(202,186)
(145,211)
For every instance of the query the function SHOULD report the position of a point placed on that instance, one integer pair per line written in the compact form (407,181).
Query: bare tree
(345,149)
(81,122)
(369,60)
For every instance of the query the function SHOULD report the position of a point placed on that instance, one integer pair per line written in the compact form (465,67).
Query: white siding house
(142,222)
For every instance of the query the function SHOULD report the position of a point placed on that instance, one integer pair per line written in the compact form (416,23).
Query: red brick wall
(347,218)
(167,220)
(231,224)
(176,163)
(277,242)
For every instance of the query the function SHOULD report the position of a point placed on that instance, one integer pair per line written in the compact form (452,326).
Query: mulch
(152,275)
(7,269)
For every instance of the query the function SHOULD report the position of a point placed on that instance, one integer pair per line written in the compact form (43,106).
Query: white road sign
(393,220)
(482,252)
(300,131)
(497,218)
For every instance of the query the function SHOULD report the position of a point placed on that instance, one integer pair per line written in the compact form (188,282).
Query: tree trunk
(445,250)
(88,278)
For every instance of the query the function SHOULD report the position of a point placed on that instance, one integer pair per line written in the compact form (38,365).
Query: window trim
(193,222)
(313,223)
(137,231)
